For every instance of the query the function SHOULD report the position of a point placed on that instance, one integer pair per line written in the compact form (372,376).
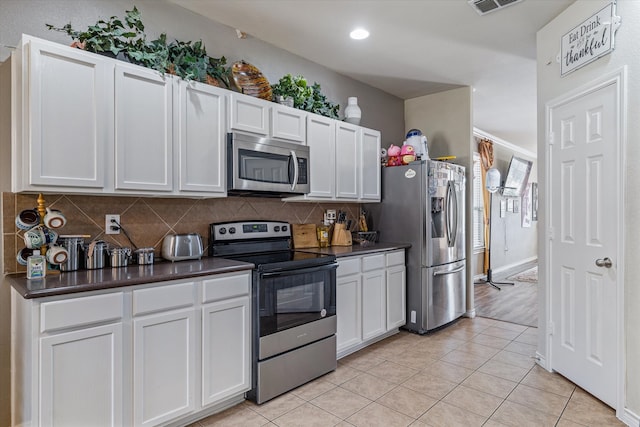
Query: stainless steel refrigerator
(423,204)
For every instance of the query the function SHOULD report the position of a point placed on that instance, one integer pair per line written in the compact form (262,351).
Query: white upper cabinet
(370,165)
(66,116)
(249,114)
(143,136)
(86,123)
(288,123)
(200,135)
(347,160)
(321,139)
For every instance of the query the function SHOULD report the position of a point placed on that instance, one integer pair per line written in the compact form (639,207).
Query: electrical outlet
(108,223)
(331,214)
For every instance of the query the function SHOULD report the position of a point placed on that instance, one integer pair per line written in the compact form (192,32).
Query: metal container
(95,254)
(74,246)
(119,257)
(144,256)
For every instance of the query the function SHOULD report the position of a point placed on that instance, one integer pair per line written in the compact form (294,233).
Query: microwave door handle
(295,170)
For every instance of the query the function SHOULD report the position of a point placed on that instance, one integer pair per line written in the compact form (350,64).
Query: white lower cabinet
(147,355)
(81,377)
(370,299)
(164,348)
(228,372)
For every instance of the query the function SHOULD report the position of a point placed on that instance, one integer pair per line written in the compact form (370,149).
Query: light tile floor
(476,372)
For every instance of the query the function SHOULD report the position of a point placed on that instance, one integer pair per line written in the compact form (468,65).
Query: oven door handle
(294,272)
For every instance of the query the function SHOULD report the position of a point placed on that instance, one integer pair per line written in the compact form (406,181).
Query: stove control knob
(232,230)
(223,230)
(284,228)
(276,228)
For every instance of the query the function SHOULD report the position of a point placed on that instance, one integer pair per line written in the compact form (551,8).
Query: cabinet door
(349,311)
(201,138)
(374,298)
(81,378)
(143,144)
(347,160)
(226,349)
(70,117)
(321,139)
(370,170)
(164,349)
(249,114)
(288,123)
(396,297)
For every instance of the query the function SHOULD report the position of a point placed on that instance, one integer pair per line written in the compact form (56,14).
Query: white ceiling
(416,47)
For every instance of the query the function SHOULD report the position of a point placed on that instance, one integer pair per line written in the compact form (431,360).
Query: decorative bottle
(36,266)
(352,112)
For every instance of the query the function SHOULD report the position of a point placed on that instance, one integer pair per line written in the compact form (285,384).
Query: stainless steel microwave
(263,166)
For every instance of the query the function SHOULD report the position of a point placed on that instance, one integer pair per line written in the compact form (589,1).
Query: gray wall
(551,86)
(380,110)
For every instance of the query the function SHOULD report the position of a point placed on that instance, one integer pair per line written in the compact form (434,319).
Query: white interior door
(585,202)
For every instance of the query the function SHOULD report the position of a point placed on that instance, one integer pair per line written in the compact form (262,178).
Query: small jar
(323,235)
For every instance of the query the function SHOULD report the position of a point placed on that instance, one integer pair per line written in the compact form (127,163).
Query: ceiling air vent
(486,6)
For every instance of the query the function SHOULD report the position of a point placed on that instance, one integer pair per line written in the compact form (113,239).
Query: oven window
(263,167)
(291,300)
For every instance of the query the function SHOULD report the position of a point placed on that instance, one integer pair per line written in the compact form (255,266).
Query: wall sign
(590,40)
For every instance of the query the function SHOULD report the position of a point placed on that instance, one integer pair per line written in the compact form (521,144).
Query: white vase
(352,112)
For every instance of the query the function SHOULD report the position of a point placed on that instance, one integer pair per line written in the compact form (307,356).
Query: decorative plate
(250,80)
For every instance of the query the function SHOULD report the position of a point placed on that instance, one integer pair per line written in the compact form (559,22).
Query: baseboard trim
(542,361)
(630,418)
(514,265)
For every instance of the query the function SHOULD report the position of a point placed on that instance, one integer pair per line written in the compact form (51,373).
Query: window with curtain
(478,221)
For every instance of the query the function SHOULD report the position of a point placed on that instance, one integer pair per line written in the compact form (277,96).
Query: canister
(74,246)
(119,257)
(144,256)
(95,254)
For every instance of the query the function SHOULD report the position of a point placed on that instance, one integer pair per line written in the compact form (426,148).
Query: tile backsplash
(148,220)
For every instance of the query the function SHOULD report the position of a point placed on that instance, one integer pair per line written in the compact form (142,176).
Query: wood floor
(516,304)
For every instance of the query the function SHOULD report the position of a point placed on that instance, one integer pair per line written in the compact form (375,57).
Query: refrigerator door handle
(442,273)
(451,214)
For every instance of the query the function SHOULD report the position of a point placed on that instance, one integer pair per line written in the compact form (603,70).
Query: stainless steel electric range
(293,304)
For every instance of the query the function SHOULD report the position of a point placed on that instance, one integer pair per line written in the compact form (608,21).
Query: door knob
(606,262)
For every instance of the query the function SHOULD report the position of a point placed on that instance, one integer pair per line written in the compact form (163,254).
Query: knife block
(341,236)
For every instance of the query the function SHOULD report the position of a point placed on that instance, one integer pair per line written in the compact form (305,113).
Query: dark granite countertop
(105,278)
(356,249)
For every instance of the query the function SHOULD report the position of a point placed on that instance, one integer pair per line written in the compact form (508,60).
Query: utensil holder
(341,236)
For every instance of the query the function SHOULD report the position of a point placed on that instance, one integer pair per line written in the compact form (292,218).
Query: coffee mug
(54,219)
(27,219)
(39,236)
(57,255)
(23,254)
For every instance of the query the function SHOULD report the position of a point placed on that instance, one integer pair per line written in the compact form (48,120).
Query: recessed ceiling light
(359,34)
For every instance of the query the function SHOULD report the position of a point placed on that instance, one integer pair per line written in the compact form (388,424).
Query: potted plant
(295,88)
(190,61)
(305,97)
(126,40)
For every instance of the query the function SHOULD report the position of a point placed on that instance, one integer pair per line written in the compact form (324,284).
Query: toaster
(178,247)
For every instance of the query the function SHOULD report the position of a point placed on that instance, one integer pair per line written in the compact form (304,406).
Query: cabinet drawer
(372,262)
(347,266)
(395,258)
(163,298)
(225,286)
(81,311)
